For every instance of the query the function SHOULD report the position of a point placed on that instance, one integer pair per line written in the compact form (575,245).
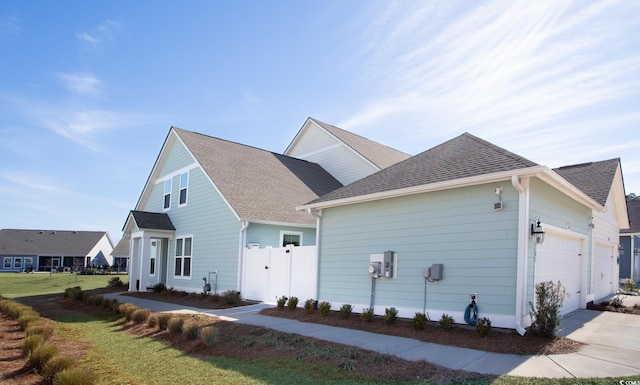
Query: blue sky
(89,90)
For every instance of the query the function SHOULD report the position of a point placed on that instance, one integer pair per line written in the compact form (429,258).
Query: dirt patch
(200,301)
(498,341)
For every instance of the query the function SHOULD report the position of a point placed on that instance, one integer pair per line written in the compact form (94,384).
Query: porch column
(144,262)
(134,265)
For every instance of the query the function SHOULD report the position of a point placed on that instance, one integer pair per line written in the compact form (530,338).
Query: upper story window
(167,195)
(183,257)
(290,238)
(184,183)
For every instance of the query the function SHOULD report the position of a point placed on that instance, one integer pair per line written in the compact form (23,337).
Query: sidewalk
(612,350)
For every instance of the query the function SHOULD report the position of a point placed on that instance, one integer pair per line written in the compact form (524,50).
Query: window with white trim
(290,238)
(7,262)
(166,204)
(184,248)
(184,183)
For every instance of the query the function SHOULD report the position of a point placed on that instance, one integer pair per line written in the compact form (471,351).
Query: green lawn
(14,285)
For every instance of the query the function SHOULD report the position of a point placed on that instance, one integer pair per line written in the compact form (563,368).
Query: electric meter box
(385,265)
(436,271)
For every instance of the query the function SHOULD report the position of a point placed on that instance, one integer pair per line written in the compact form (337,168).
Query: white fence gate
(270,273)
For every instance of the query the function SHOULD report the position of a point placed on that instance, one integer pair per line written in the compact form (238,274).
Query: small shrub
(483,327)
(75,376)
(190,331)
(57,364)
(31,342)
(175,325)
(106,303)
(281,301)
(617,302)
(545,315)
(446,322)
(159,287)
(75,293)
(324,307)
(390,315)
(345,310)
(231,297)
(40,355)
(308,305)
(163,321)
(140,316)
(420,321)
(40,329)
(85,296)
(127,310)
(27,319)
(293,303)
(115,282)
(209,335)
(367,315)
(630,285)
(114,305)
(152,321)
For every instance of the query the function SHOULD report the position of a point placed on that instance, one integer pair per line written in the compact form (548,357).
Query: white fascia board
(154,168)
(208,178)
(297,137)
(455,183)
(274,223)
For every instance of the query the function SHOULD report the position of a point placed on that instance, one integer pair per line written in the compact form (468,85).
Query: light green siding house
(209,202)
(472,207)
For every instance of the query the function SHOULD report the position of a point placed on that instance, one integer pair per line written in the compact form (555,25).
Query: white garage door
(559,258)
(605,277)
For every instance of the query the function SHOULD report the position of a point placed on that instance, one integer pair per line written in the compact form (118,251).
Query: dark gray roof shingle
(594,178)
(461,157)
(152,221)
(259,184)
(633,208)
(376,153)
(48,242)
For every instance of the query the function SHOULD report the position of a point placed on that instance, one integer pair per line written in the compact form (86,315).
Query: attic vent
(40,232)
(53,232)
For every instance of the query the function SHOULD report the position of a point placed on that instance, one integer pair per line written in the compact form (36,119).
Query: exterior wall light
(537,232)
(620,249)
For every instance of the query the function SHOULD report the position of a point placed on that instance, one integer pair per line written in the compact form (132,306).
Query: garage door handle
(578,291)
(266,267)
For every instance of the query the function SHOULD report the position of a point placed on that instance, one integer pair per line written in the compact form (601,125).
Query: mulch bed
(498,341)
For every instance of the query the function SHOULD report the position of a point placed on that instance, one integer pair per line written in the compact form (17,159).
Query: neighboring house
(210,206)
(472,207)
(51,250)
(630,241)
(120,255)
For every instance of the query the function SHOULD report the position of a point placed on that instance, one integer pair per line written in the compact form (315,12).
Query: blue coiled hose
(471,314)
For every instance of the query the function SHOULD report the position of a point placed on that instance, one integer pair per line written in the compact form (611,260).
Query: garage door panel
(559,259)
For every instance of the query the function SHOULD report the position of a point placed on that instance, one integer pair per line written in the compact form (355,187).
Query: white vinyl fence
(270,273)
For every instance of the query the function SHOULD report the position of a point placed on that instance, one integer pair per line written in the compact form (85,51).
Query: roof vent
(53,232)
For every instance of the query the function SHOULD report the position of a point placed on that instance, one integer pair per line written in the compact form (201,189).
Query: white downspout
(318,215)
(241,253)
(523,250)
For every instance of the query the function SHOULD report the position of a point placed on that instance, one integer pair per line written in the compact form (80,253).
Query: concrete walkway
(612,350)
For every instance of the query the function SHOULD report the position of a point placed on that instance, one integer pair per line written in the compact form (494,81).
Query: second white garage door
(559,258)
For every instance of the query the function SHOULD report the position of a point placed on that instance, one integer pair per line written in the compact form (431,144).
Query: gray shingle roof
(594,178)
(152,221)
(376,153)
(48,242)
(633,208)
(122,248)
(259,184)
(461,157)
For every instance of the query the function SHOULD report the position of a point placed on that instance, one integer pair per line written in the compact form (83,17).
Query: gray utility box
(387,265)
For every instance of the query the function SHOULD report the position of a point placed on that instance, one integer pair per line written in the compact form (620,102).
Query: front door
(55,263)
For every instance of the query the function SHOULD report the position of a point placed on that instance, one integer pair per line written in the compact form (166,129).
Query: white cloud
(82,83)
(501,67)
(10,25)
(99,34)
